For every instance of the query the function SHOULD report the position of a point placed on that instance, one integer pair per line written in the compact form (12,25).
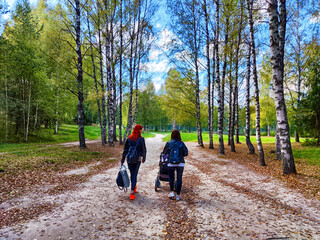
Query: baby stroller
(163,174)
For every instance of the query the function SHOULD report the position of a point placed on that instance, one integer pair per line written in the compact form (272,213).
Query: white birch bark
(57,112)
(103,92)
(248,141)
(7,107)
(277,41)
(36,116)
(208,74)
(220,98)
(28,113)
(120,75)
(82,141)
(255,82)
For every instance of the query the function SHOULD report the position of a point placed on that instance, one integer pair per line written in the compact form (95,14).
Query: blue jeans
(134,169)
(171,171)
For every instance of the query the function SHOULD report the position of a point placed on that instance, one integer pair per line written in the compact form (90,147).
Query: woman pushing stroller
(176,151)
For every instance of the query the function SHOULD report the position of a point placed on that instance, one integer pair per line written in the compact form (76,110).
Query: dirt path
(220,200)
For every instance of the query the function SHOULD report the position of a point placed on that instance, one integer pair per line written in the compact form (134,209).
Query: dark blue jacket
(183,149)
(141,149)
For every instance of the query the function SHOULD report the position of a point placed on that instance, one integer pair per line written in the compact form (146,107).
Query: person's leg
(134,169)
(171,177)
(179,179)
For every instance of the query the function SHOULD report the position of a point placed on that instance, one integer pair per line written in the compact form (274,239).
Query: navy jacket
(183,149)
(141,149)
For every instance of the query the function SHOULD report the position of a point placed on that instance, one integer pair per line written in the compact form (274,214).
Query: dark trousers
(179,171)
(134,169)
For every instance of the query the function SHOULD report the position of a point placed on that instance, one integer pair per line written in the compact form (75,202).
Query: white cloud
(158,81)
(158,66)
(158,25)
(157,86)
(315,19)
(154,54)
(166,37)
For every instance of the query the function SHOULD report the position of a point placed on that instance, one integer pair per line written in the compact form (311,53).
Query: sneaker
(135,189)
(178,198)
(132,197)
(171,195)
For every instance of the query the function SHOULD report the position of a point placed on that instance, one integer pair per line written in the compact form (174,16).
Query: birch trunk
(109,78)
(7,107)
(36,117)
(209,75)
(255,83)
(137,59)
(28,113)
(277,144)
(318,128)
(103,92)
(196,47)
(248,141)
(230,103)
(95,81)
(113,82)
(82,141)
(233,148)
(277,41)
(120,76)
(213,81)
(131,76)
(236,90)
(57,112)
(220,97)
(24,106)
(299,65)
(231,111)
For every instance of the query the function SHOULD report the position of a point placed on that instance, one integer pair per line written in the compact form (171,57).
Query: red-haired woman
(134,146)
(176,151)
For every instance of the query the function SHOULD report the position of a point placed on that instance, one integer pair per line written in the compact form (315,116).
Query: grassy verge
(192,137)
(311,155)
(66,133)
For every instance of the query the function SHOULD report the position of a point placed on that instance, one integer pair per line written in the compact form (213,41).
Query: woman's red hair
(175,134)
(136,133)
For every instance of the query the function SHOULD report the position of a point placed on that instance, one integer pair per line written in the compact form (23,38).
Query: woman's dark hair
(175,134)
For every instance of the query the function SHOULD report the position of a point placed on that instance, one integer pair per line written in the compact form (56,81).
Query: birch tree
(188,33)
(255,80)
(277,28)
(248,141)
(218,82)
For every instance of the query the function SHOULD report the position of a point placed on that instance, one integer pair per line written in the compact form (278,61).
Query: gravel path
(220,200)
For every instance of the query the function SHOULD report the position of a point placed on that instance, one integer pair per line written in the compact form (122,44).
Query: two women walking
(135,153)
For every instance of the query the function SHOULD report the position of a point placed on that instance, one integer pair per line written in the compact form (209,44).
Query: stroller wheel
(157,184)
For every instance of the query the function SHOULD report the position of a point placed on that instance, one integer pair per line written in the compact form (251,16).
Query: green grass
(148,135)
(311,154)
(66,133)
(41,156)
(192,137)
